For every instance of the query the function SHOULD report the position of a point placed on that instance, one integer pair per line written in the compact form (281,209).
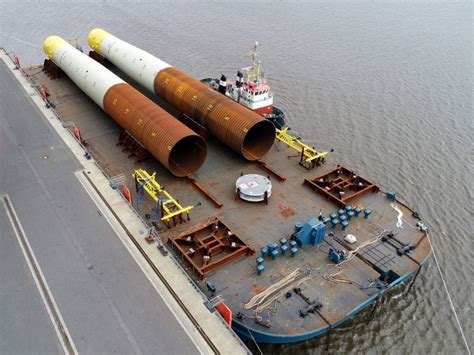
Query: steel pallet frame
(209,246)
(341,185)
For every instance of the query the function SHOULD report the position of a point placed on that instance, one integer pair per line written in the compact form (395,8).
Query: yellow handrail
(309,153)
(171,207)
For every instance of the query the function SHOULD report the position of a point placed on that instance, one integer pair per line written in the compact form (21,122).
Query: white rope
(351,254)
(400,215)
(255,342)
(260,297)
(276,296)
(449,296)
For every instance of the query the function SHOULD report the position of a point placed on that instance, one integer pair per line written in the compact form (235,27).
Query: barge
(286,246)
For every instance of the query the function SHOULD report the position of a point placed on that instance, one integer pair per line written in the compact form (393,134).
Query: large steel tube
(233,124)
(176,146)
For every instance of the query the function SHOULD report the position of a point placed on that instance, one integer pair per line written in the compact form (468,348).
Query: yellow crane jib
(310,157)
(169,207)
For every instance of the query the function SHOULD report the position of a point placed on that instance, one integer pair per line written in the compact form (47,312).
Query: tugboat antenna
(255,62)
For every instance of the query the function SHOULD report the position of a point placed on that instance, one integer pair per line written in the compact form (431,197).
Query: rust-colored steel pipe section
(233,124)
(176,146)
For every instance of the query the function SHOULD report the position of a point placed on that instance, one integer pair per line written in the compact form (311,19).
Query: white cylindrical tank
(89,75)
(140,65)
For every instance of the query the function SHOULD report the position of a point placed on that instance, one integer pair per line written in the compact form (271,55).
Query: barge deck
(376,262)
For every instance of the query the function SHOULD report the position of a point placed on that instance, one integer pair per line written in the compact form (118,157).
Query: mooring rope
(351,254)
(280,293)
(250,333)
(400,215)
(449,296)
(259,298)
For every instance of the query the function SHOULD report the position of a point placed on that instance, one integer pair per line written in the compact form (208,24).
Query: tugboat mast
(253,72)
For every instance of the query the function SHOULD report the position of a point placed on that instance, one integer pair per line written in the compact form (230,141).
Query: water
(388,85)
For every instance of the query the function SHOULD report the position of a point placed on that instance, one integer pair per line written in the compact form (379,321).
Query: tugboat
(250,90)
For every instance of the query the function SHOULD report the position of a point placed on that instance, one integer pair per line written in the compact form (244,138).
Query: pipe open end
(258,140)
(187,156)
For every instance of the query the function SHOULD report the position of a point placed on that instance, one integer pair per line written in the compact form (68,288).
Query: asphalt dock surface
(105,301)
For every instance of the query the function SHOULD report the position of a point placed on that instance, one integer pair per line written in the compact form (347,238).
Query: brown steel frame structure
(207,240)
(341,179)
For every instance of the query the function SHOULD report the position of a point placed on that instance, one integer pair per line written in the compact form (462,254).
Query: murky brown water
(388,85)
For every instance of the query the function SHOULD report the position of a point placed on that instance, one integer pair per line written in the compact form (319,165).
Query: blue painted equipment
(391,196)
(259,260)
(333,216)
(211,287)
(344,224)
(274,254)
(318,233)
(260,268)
(357,211)
(340,212)
(336,256)
(348,208)
(298,227)
(343,218)
(294,251)
(271,247)
(312,232)
(334,223)
(292,244)
(367,213)
(303,237)
(282,241)
(264,251)
(350,214)
(284,249)
(326,220)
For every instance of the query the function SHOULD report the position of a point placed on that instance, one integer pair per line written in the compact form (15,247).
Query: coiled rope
(350,255)
(274,292)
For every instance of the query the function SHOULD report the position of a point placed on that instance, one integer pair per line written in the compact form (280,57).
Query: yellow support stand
(170,208)
(309,156)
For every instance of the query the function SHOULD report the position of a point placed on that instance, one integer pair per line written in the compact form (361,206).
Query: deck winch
(336,256)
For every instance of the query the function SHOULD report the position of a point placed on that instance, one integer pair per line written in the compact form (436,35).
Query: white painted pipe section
(140,65)
(90,76)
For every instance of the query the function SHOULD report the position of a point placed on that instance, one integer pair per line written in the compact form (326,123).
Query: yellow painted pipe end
(50,45)
(95,38)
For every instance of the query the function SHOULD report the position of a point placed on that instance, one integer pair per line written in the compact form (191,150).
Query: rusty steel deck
(341,290)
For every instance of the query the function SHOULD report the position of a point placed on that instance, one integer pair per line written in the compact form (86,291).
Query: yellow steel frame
(309,153)
(170,206)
